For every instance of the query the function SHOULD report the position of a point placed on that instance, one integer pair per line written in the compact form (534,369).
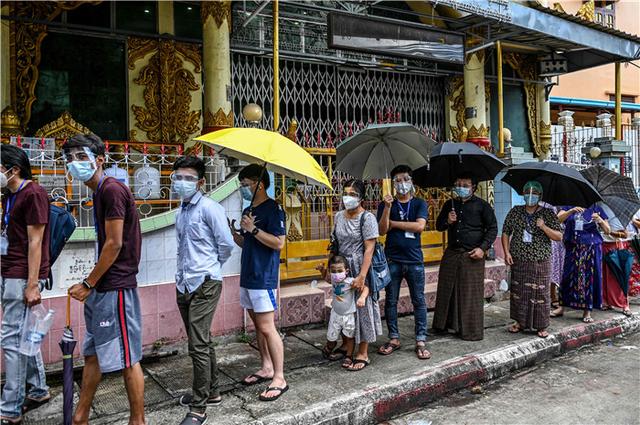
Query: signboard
(499,10)
(393,38)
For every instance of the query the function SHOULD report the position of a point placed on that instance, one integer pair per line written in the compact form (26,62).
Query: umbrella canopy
(281,155)
(374,151)
(620,262)
(67,345)
(449,160)
(617,191)
(562,185)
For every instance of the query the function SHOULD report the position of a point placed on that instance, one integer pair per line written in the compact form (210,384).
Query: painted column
(474,97)
(165,17)
(216,29)
(9,120)
(544,121)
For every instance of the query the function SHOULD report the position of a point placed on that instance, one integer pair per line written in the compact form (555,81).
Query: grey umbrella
(374,151)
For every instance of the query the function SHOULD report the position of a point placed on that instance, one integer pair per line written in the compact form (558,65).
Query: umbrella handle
(68,311)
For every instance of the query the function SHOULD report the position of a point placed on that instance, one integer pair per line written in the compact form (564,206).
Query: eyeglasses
(184,177)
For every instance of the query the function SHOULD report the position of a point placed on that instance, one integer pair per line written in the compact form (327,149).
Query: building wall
(597,83)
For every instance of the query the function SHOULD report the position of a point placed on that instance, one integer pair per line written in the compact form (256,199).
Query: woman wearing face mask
(526,239)
(356,241)
(581,286)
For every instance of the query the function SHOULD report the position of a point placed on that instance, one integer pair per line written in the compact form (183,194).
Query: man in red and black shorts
(111,306)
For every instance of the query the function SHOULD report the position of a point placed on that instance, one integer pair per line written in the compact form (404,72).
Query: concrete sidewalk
(322,392)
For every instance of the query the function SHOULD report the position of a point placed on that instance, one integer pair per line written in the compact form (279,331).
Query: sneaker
(187,399)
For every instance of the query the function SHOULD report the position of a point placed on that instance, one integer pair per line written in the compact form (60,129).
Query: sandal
(347,362)
(193,419)
(258,379)
(542,333)
(587,319)
(275,397)
(337,354)
(554,314)
(627,313)
(605,308)
(32,403)
(12,421)
(515,328)
(384,350)
(422,352)
(357,362)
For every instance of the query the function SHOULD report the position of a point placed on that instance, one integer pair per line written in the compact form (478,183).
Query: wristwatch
(255,231)
(86,284)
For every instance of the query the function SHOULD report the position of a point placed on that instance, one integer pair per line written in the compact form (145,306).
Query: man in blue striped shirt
(205,243)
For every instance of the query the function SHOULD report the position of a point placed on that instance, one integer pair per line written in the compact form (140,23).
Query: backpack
(379,275)
(61,225)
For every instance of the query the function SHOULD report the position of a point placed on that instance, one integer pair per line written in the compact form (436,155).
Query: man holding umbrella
(472,228)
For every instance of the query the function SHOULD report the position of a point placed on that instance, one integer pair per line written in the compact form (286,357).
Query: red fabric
(612,294)
(30,206)
(634,284)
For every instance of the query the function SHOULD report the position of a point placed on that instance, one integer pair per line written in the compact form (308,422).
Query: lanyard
(95,215)
(529,218)
(404,215)
(9,205)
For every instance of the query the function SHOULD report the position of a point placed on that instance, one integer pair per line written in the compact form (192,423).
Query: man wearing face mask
(261,238)
(403,219)
(112,314)
(24,270)
(472,227)
(204,245)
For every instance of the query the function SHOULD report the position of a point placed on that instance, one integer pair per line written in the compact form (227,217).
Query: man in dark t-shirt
(25,269)
(403,219)
(112,314)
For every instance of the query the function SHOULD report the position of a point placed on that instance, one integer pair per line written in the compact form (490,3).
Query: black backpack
(61,225)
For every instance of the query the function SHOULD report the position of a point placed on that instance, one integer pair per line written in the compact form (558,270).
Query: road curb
(381,403)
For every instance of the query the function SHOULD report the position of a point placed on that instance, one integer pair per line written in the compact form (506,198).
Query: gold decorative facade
(218,10)
(62,128)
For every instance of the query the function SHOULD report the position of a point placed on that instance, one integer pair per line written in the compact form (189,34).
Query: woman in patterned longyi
(526,238)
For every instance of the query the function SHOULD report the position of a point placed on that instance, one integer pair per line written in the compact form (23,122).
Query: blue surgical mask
(81,170)
(185,189)
(531,200)
(462,192)
(246,193)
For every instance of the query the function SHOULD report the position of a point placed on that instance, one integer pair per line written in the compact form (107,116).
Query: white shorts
(341,323)
(259,300)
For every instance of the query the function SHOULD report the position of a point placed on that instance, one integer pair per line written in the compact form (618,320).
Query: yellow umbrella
(279,154)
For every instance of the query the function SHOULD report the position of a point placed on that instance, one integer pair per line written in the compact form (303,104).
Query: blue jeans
(19,369)
(413,273)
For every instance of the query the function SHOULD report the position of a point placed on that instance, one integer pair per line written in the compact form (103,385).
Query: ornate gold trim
(219,119)
(587,11)
(137,48)
(25,40)
(218,10)
(482,131)
(10,122)
(457,105)
(166,116)
(62,128)
(545,137)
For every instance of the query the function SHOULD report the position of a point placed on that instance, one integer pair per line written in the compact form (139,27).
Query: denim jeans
(413,273)
(19,369)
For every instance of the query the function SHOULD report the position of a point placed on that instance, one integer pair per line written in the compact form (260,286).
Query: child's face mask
(338,277)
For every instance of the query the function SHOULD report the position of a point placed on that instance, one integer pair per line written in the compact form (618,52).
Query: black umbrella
(620,262)
(562,185)
(449,160)
(635,243)
(67,345)
(617,191)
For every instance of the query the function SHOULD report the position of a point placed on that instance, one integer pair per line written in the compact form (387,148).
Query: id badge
(579,225)
(4,245)
(527,237)
(409,235)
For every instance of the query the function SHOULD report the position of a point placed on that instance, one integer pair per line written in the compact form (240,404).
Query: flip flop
(358,361)
(587,319)
(422,352)
(347,362)
(627,313)
(383,351)
(32,403)
(259,379)
(515,328)
(337,354)
(275,397)
(552,314)
(543,333)
(193,419)
(15,421)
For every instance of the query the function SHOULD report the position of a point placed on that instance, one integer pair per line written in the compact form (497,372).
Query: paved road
(596,385)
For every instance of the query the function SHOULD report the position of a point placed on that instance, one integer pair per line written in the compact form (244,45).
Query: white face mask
(351,202)
(404,188)
(4,181)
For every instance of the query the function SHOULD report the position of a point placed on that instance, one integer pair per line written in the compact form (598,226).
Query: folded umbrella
(374,151)
(67,345)
(616,190)
(449,160)
(561,185)
(620,262)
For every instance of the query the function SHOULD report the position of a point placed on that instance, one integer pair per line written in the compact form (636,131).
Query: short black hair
(400,169)
(253,172)
(356,184)
(190,161)
(469,176)
(12,156)
(89,140)
(338,259)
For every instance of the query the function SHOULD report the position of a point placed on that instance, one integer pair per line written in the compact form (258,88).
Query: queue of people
(205,238)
